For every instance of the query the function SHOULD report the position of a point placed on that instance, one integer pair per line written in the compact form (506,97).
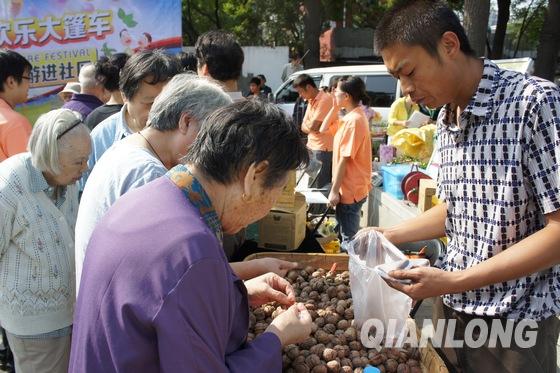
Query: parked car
(381,86)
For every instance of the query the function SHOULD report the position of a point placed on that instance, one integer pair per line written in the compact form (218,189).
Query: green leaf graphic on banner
(107,51)
(128,19)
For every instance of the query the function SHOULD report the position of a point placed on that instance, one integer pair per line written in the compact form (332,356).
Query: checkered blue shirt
(499,176)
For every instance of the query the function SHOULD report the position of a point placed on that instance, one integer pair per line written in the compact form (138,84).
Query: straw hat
(71,87)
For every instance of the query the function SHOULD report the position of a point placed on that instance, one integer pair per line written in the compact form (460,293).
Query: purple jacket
(158,295)
(83,104)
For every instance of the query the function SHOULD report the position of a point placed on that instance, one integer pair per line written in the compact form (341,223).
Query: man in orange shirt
(319,104)
(15,129)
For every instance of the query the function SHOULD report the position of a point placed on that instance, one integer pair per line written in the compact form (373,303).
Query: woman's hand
(269,288)
(292,326)
(426,282)
(252,268)
(278,266)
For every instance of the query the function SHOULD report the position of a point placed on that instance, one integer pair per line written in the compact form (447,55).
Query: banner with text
(60,36)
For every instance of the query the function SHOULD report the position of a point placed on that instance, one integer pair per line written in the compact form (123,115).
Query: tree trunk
(349,13)
(312,27)
(501,27)
(476,23)
(549,43)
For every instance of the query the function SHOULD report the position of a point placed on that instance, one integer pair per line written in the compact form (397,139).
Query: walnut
(293,352)
(403,368)
(321,368)
(260,327)
(322,337)
(308,343)
(259,314)
(357,362)
(329,328)
(317,349)
(340,309)
(351,334)
(343,324)
(332,318)
(355,345)
(332,292)
(252,320)
(292,275)
(333,366)
(301,368)
(391,365)
(329,354)
(312,360)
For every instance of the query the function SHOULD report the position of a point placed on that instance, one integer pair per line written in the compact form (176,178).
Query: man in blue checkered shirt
(499,142)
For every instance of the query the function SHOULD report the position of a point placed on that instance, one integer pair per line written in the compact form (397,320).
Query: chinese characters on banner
(58,37)
(55,67)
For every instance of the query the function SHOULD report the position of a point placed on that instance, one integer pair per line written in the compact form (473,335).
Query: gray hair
(87,77)
(44,144)
(186,93)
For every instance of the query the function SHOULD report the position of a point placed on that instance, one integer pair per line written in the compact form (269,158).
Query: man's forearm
(304,128)
(329,120)
(339,174)
(315,125)
(431,224)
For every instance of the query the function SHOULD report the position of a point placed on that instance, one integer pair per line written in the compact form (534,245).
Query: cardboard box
(427,191)
(298,200)
(284,230)
(287,198)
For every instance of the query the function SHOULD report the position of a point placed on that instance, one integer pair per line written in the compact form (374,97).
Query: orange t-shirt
(353,140)
(317,110)
(15,130)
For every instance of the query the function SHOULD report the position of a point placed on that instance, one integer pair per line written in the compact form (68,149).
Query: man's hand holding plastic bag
(426,282)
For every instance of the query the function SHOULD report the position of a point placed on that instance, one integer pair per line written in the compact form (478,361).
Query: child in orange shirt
(351,155)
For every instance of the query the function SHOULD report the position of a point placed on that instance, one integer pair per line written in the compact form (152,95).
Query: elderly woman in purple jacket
(158,294)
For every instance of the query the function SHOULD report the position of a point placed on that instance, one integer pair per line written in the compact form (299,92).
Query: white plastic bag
(372,297)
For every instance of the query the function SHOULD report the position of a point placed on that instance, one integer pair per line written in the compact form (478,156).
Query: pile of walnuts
(334,345)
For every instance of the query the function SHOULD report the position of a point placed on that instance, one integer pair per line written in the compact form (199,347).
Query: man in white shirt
(173,124)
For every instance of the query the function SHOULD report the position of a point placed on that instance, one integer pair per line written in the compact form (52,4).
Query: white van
(381,87)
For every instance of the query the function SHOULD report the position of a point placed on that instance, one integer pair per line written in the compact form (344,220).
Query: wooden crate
(431,362)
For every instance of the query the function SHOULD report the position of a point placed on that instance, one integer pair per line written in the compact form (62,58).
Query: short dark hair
(12,64)
(262,77)
(255,80)
(303,80)
(355,87)
(221,53)
(422,23)
(107,70)
(154,65)
(246,132)
(187,61)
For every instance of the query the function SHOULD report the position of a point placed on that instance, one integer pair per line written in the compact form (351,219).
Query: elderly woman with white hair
(38,208)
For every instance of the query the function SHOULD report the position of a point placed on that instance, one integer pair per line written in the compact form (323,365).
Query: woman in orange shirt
(351,155)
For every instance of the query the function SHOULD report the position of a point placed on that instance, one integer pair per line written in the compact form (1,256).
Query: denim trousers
(348,219)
